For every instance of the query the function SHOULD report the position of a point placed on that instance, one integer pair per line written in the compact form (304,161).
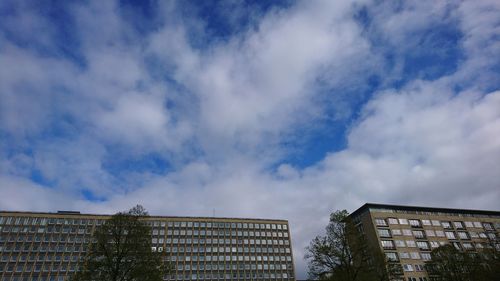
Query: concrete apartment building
(50,246)
(407,234)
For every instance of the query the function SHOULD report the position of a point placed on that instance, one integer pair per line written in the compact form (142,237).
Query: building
(50,246)
(407,234)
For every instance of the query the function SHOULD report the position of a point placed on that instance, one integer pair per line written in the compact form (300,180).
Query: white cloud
(426,143)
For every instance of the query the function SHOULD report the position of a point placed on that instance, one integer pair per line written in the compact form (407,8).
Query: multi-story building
(50,246)
(408,234)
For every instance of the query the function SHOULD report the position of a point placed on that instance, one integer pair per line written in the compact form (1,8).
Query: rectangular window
(418,234)
(422,245)
(426,222)
(446,224)
(410,243)
(488,226)
(407,267)
(435,223)
(430,233)
(440,233)
(426,256)
(384,233)
(396,231)
(434,244)
(414,223)
(407,232)
(477,224)
(403,221)
(400,243)
(404,255)
(393,221)
(415,255)
(469,224)
(458,224)
(387,244)
(450,235)
(380,222)
(468,246)
(463,235)
(391,256)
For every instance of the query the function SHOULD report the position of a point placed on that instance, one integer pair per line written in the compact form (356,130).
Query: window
(463,235)
(440,233)
(396,231)
(434,244)
(477,224)
(404,255)
(430,233)
(426,222)
(380,222)
(410,243)
(458,224)
(422,245)
(407,267)
(418,234)
(384,233)
(391,256)
(469,224)
(400,243)
(473,234)
(407,232)
(419,267)
(403,221)
(414,223)
(393,221)
(387,244)
(415,255)
(446,224)
(435,223)
(450,235)
(468,246)
(488,226)
(426,256)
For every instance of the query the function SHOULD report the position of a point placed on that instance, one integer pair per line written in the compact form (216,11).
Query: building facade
(50,246)
(408,234)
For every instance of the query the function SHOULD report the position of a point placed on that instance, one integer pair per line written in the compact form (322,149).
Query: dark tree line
(343,254)
(121,251)
(448,263)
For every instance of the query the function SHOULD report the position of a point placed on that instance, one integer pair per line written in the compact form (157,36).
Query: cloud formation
(103,106)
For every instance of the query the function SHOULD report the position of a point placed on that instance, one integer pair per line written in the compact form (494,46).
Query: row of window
(23,258)
(185,224)
(241,266)
(224,250)
(209,241)
(234,233)
(385,233)
(233,258)
(423,245)
(229,276)
(415,267)
(444,224)
(392,256)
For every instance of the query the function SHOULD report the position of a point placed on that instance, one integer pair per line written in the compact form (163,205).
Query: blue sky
(278,109)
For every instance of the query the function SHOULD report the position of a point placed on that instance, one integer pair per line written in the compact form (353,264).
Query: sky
(262,109)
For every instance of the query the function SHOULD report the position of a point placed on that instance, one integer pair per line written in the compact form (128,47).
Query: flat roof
(78,214)
(367,206)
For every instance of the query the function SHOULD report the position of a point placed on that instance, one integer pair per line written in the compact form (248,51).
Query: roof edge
(366,206)
(73,213)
